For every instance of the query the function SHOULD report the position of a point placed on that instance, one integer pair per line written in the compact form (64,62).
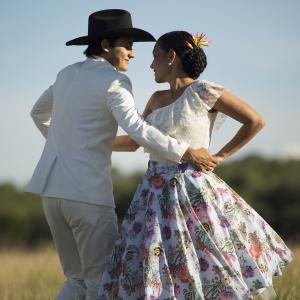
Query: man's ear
(105,45)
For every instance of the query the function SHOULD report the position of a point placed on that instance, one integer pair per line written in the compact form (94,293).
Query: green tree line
(271,187)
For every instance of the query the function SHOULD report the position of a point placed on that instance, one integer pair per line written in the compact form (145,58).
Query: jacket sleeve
(121,103)
(41,111)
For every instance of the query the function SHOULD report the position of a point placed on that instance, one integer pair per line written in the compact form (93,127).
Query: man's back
(75,163)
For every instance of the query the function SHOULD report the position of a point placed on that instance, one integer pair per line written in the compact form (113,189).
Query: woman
(186,234)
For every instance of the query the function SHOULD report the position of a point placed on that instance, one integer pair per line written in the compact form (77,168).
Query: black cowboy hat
(111,23)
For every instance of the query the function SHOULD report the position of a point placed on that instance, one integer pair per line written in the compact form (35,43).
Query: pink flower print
(269,257)
(222,192)
(226,295)
(189,224)
(224,222)
(196,174)
(203,210)
(183,273)
(232,256)
(157,181)
(194,214)
(235,196)
(248,272)
(228,259)
(204,206)
(176,290)
(280,251)
(204,265)
(255,250)
(207,252)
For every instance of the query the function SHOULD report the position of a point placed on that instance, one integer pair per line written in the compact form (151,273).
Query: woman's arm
(124,143)
(243,113)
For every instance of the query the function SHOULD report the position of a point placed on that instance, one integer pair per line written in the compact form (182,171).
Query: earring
(169,64)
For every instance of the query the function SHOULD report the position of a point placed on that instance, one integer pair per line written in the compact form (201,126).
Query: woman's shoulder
(153,102)
(159,93)
(156,98)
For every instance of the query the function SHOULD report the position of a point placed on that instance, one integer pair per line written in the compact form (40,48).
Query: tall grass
(288,286)
(37,275)
(29,275)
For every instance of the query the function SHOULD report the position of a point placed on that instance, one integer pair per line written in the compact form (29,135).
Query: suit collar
(99,59)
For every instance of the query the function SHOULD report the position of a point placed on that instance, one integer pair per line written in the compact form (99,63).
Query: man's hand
(201,159)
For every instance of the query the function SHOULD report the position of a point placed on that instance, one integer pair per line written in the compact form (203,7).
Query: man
(84,107)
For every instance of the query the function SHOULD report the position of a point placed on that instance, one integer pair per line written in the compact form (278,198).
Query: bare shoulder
(153,102)
(156,99)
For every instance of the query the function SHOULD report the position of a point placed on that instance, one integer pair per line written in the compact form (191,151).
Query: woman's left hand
(218,160)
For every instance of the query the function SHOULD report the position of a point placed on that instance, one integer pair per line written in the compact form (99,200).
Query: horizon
(254,52)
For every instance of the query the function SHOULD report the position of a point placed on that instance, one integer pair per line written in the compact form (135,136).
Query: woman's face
(160,64)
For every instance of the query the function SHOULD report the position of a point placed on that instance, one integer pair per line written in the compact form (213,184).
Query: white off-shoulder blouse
(188,118)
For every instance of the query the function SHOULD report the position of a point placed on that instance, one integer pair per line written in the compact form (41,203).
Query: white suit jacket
(79,116)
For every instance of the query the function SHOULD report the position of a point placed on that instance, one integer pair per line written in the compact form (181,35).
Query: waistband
(161,167)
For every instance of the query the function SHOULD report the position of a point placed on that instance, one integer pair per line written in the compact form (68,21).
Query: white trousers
(84,235)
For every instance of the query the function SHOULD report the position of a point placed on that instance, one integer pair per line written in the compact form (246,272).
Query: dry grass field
(29,275)
(36,275)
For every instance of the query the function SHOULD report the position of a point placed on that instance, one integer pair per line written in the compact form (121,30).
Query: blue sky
(254,52)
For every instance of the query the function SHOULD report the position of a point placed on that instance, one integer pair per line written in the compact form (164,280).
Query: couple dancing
(186,234)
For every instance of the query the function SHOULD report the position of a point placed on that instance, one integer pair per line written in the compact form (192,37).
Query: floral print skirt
(188,235)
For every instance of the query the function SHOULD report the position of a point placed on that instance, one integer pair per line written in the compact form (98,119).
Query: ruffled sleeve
(209,92)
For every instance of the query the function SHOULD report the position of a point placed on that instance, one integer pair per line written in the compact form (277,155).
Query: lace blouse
(188,118)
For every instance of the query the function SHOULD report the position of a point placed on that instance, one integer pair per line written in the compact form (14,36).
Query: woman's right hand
(201,159)
(124,143)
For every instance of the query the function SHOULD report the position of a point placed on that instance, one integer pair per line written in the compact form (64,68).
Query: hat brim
(138,35)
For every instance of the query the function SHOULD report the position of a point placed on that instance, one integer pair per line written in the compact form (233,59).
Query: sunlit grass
(288,286)
(37,275)
(29,275)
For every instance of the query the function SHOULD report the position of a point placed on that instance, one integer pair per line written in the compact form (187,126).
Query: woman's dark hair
(193,60)
(94,48)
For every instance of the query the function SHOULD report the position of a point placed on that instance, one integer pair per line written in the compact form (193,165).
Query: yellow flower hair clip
(198,40)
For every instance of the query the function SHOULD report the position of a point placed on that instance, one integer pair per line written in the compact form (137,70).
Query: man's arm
(121,104)
(41,111)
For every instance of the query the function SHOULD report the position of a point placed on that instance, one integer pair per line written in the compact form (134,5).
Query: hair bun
(192,57)
(194,62)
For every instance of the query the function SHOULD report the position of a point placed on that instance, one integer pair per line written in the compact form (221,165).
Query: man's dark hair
(94,48)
